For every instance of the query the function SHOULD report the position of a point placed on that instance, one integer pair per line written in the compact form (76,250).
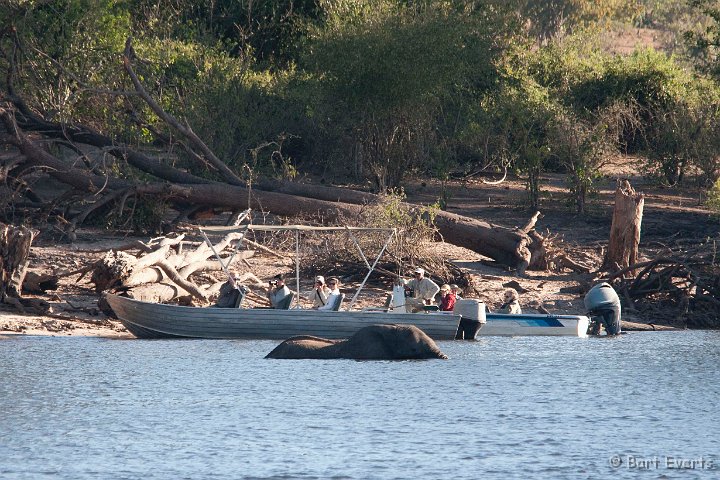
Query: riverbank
(73,309)
(675,214)
(17,324)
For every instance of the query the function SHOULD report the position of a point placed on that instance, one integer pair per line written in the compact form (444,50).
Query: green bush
(386,72)
(713,198)
(646,103)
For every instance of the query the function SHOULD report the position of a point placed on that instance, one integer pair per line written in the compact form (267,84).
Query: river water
(642,405)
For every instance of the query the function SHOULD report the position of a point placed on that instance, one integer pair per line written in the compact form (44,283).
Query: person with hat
(320,293)
(456,290)
(423,291)
(447,298)
(511,302)
(277,292)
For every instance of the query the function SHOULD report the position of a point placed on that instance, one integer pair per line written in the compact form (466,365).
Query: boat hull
(535,324)
(155,320)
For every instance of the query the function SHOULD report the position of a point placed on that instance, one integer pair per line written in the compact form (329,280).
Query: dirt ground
(670,215)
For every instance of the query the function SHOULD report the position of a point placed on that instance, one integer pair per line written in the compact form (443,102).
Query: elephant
(374,342)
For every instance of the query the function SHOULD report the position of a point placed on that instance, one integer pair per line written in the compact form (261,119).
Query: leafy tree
(62,50)
(551,19)
(521,118)
(713,198)
(580,147)
(706,44)
(271,31)
(385,70)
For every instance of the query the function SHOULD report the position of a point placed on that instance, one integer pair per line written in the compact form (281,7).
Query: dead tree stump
(14,250)
(625,229)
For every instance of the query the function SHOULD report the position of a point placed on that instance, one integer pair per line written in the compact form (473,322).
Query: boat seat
(338,302)
(242,291)
(431,308)
(384,308)
(285,303)
(230,296)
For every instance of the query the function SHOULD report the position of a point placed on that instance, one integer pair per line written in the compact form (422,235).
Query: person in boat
(603,305)
(320,293)
(456,290)
(511,302)
(422,291)
(231,294)
(277,291)
(334,296)
(447,298)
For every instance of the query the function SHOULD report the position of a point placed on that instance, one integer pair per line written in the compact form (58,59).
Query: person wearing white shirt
(320,293)
(423,291)
(335,295)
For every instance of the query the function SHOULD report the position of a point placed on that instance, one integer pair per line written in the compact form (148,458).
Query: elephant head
(375,342)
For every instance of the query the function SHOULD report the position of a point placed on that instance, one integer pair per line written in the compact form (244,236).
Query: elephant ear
(370,343)
(400,340)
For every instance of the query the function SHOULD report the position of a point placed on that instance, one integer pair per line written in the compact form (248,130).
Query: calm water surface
(90,408)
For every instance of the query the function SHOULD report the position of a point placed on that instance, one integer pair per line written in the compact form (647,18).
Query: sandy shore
(17,324)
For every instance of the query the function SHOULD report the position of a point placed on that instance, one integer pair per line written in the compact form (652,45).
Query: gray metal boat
(155,320)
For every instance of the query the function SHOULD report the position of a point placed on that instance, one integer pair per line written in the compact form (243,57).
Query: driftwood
(15,245)
(680,288)
(643,327)
(14,250)
(39,283)
(162,271)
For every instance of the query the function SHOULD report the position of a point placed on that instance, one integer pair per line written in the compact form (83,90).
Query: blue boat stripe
(541,322)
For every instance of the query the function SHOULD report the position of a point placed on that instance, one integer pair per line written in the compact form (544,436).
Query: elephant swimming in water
(374,342)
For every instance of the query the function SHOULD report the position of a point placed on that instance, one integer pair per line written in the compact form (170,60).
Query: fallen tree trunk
(505,245)
(499,243)
(166,291)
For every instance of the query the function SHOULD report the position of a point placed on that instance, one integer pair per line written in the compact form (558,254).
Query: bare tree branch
(185,130)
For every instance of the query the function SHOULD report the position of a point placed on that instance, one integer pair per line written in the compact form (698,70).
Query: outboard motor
(472,318)
(603,305)
(601,295)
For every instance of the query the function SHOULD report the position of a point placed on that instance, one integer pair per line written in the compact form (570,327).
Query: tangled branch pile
(414,245)
(680,288)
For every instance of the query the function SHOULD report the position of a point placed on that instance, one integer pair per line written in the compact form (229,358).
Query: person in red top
(447,299)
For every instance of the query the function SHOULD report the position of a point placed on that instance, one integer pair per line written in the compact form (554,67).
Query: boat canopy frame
(298,229)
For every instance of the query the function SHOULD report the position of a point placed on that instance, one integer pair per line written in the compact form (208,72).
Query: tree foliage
(555,19)
(371,90)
